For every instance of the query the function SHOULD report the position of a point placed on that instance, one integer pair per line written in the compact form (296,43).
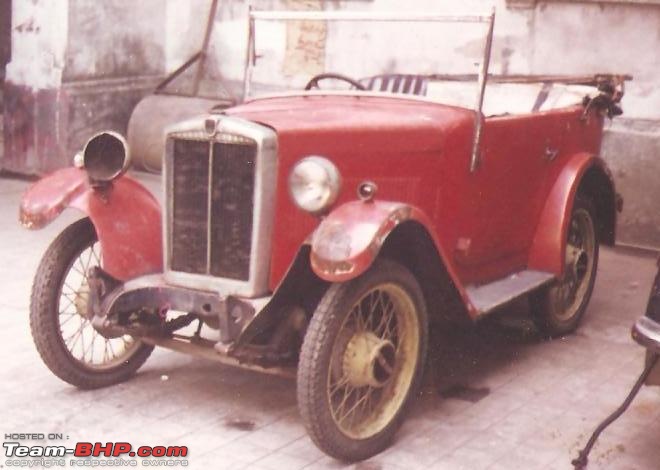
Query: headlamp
(106,156)
(314,184)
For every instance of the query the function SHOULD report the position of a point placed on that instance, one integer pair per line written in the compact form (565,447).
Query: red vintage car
(319,232)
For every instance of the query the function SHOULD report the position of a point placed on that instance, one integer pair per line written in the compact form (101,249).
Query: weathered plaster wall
(115,39)
(632,150)
(39,36)
(78,66)
(596,37)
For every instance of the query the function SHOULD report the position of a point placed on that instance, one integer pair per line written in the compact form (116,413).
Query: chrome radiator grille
(212,205)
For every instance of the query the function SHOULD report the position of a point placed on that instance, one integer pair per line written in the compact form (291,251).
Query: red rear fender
(547,252)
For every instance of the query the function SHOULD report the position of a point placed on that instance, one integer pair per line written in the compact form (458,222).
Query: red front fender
(125,215)
(349,239)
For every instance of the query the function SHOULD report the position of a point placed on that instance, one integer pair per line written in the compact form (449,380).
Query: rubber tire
(44,322)
(541,306)
(315,359)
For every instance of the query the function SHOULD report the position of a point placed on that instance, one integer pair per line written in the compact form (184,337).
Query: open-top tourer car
(318,232)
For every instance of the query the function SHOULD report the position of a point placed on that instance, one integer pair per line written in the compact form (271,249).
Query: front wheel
(63,334)
(361,360)
(557,310)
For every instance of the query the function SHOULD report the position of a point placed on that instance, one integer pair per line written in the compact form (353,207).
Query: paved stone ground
(495,396)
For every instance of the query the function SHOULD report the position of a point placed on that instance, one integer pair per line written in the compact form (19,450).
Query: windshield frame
(288,15)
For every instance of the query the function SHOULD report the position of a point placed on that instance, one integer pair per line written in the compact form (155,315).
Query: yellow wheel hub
(368,360)
(375,357)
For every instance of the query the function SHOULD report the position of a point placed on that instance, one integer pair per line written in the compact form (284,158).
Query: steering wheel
(314,82)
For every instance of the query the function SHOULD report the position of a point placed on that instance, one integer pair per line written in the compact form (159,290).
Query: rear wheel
(62,332)
(361,361)
(558,309)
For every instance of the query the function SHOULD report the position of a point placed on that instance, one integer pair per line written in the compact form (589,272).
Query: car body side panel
(125,215)
(522,158)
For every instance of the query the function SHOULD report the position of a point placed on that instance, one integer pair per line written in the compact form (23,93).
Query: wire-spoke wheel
(361,360)
(65,338)
(558,309)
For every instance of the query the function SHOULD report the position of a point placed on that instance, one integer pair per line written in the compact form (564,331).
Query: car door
(516,155)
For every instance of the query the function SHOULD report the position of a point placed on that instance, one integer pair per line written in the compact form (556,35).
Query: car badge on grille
(210,126)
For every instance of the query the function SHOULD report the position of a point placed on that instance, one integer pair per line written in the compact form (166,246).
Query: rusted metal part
(206,349)
(138,308)
(125,215)
(282,347)
(239,320)
(230,314)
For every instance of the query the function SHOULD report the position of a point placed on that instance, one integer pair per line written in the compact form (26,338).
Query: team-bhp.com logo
(87,449)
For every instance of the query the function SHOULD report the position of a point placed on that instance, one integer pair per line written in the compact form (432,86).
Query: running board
(488,297)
